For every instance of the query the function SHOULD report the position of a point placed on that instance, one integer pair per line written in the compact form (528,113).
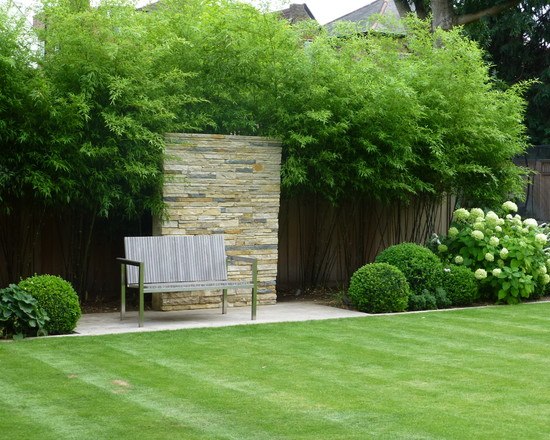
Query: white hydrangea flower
(546,279)
(497,271)
(548,263)
(479,225)
(489,257)
(480,274)
(541,238)
(477,213)
(494,241)
(498,228)
(510,206)
(442,248)
(459,259)
(543,270)
(503,253)
(530,223)
(509,216)
(478,235)
(453,232)
(500,222)
(461,214)
(491,218)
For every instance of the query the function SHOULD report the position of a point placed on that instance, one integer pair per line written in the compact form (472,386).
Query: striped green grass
(461,374)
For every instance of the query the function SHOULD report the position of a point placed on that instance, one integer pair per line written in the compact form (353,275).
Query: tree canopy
(518,45)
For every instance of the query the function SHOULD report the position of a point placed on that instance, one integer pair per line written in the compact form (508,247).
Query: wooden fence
(319,244)
(322,245)
(537,203)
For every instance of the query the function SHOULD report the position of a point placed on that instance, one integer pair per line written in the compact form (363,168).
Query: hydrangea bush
(508,255)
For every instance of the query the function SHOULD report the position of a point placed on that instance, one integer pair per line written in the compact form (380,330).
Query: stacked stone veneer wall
(218,184)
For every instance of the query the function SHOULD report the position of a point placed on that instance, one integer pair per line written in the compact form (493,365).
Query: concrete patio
(110,323)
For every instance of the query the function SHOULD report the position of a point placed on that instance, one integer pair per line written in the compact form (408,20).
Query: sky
(323,10)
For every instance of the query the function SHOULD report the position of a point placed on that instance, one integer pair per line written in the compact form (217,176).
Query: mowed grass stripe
(456,374)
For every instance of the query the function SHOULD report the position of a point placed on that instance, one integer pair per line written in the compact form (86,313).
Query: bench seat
(190,286)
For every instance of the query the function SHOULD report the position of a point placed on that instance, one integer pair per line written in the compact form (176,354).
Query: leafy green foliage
(20,313)
(508,255)
(424,301)
(58,298)
(113,98)
(460,284)
(427,300)
(369,115)
(392,118)
(23,108)
(379,288)
(365,115)
(421,267)
(516,42)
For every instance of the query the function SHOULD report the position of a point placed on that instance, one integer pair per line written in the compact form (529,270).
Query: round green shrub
(460,284)
(379,288)
(58,298)
(421,267)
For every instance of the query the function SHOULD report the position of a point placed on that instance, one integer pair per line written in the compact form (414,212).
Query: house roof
(297,12)
(365,17)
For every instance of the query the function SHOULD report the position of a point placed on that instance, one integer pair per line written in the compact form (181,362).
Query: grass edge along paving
(472,373)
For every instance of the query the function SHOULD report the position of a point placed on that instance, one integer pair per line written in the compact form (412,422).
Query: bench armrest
(250,260)
(141,266)
(129,262)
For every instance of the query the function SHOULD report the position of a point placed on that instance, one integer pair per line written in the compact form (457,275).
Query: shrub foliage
(508,254)
(379,288)
(421,267)
(58,298)
(20,313)
(460,285)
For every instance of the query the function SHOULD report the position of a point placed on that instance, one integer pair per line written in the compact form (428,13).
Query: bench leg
(254,302)
(141,299)
(254,289)
(122,291)
(141,307)
(224,301)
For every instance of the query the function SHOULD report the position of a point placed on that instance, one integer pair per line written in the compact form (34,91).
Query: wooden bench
(179,263)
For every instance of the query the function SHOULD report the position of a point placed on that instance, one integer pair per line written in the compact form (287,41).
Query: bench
(179,263)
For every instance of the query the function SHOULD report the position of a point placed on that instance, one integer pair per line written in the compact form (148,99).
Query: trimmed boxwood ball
(421,267)
(58,298)
(460,284)
(379,288)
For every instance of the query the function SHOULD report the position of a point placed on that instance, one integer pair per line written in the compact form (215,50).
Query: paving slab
(110,323)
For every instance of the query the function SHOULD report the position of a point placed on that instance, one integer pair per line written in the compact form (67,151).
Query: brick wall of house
(224,184)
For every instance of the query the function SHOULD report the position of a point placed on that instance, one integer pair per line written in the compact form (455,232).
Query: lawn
(462,374)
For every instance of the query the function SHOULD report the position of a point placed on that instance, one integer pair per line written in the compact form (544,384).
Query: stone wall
(221,184)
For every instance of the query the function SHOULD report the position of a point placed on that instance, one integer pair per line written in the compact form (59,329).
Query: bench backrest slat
(173,258)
